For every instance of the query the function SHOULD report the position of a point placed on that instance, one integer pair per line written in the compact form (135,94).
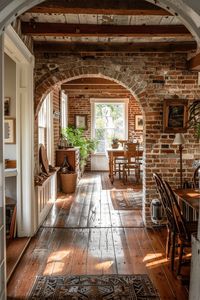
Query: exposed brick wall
(139,73)
(133,110)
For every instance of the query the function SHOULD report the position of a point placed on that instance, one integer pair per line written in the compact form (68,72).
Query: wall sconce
(180,140)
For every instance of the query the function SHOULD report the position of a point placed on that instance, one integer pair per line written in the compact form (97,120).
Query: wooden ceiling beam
(111,7)
(194,63)
(92,48)
(86,30)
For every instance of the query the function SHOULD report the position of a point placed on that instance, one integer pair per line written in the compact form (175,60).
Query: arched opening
(82,91)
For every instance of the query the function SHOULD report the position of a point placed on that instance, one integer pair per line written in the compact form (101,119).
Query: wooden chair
(123,142)
(120,160)
(196,177)
(132,162)
(171,224)
(184,228)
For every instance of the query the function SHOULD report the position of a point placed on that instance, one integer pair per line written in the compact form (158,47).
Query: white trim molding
(15,48)
(19,53)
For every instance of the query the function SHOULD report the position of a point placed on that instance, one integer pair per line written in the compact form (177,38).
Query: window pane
(109,123)
(64,113)
(41,135)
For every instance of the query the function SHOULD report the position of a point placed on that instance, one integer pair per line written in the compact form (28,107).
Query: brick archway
(134,83)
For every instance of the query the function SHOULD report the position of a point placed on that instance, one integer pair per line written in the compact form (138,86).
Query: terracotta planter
(68,182)
(115,146)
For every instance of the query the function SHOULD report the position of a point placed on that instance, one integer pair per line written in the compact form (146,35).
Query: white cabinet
(45,195)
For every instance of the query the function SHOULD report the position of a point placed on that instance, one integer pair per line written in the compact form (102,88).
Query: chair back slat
(178,215)
(132,151)
(196,177)
(165,200)
(122,142)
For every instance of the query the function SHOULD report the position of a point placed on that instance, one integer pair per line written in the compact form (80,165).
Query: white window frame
(64,109)
(94,101)
(46,121)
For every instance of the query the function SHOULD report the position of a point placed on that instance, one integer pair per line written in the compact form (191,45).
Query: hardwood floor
(14,250)
(83,234)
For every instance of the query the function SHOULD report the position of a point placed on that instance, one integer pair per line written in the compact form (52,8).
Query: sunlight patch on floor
(54,262)
(58,255)
(154,260)
(151,256)
(63,198)
(104,265)
(157,263)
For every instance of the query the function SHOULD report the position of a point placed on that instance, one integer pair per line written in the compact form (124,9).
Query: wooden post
(181,166)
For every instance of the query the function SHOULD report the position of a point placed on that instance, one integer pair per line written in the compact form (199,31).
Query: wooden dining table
(189,199)
(112,154)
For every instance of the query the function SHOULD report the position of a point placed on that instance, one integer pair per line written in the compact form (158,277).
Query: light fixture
(180,140)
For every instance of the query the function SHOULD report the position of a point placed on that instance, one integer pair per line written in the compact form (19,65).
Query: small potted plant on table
(115,143)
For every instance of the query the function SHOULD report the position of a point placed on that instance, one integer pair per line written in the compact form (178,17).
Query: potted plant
(76,138)
(115,143)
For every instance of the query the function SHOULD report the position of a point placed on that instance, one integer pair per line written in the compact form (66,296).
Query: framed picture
(9,130)
(175,115)
(81,121)
(6,106)
(138,122)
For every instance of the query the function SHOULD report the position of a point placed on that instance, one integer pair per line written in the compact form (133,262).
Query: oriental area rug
(103,287)
(126,199)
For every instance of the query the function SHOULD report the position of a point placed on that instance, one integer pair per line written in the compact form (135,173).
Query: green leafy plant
(75,137)
(194,117)
(115,140)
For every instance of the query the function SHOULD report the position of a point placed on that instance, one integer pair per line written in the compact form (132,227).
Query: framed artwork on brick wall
(80,121)
(175,115)
(138,122)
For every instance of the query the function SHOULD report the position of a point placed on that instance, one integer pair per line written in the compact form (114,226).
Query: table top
(190,197)
(121,150)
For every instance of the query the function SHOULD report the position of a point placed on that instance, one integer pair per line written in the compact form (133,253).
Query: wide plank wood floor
(83,234)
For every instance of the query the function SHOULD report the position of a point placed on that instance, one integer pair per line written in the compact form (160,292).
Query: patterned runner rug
(104,287)
(126,199)
(118,183)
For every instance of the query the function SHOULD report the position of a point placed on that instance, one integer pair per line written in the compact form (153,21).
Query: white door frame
(17,51)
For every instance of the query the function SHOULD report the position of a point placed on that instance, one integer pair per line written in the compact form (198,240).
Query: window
(110,119)
(64,112)
(45,126)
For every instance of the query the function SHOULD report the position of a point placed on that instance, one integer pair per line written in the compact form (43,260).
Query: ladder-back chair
(171,224)
(132,162)
(184,228)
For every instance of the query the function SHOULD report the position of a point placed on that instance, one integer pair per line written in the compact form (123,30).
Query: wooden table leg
(111,168)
